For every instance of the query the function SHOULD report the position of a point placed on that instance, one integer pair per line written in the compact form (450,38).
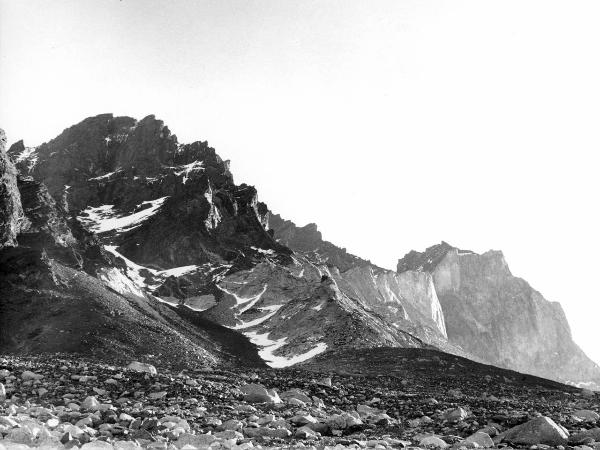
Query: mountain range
(117,241)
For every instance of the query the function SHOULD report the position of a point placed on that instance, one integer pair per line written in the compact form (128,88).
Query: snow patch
(263,251)
(104,218)
(186,169)
(117,280)
(270,346)
(177,271)
(319,307)
(28,156)
(242,301)
(133,269)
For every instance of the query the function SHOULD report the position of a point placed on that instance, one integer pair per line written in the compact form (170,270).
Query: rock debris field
(60,402)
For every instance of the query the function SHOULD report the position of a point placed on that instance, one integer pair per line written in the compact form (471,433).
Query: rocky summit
(147,300)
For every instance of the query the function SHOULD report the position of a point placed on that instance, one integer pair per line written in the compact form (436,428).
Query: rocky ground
(423,399)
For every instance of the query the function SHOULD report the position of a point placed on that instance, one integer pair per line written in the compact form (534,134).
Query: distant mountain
(498,317)
(119,241)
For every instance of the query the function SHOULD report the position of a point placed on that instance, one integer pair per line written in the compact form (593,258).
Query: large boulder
(541,430)
(255,393)
(142,367)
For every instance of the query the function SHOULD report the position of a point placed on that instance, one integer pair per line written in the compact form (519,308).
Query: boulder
(432,442)
(194,440)
(481,439)
(455,415)
(541,430)
(297,394)
(28,375)
(586,415)
(584,436)
(255,393)
(142,367)
(588,393)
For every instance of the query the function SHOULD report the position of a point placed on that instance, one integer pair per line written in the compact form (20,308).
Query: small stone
(28,375)
(305,433)
(232,424)
(90,403)
(324,382)
(303,419)
(52,423)
(157,395)
(97,445)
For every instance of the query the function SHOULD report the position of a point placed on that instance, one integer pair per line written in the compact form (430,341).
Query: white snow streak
(103,218)
(273,309)
(263,251)
(105,176)
(177,271)
(262,340)
(187,168)
(241,301)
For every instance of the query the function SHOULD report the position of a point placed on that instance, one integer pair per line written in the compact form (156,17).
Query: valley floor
(382,398)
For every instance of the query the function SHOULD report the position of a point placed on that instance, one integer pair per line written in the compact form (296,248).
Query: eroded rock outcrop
(11,211)
(499,317)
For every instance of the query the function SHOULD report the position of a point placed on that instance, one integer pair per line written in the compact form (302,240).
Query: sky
(393,125)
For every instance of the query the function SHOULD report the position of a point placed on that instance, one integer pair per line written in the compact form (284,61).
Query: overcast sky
(392,124)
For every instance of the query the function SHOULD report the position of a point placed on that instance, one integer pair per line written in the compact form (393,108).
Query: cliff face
(11,211)
(500,318)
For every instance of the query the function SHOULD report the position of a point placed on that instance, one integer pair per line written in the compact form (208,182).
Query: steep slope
(499,317)
(11,212)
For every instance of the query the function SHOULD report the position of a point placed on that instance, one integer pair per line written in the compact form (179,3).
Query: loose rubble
(62,403)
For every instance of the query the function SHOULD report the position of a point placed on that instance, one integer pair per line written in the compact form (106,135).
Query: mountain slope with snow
(152,234)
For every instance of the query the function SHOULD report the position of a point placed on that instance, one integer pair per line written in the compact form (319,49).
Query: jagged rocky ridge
(158,231)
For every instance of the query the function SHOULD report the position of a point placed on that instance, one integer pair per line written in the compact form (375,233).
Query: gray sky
(392,124)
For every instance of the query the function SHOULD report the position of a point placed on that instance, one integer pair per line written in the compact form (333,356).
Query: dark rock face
(498,317)
(116,161)
(11,212)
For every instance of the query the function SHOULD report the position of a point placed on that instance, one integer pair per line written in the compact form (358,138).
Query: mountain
(120,241)
(498,317)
